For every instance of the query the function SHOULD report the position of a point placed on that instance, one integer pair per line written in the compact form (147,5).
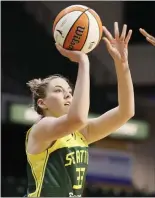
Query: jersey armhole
(83,137)
(50,149)
(54,146)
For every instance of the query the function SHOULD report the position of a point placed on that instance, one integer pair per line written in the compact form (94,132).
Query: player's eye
(58,90)
(71,92)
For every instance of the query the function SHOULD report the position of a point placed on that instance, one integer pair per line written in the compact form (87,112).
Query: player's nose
(67,95)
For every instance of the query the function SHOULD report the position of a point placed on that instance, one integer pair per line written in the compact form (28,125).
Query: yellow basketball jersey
(59,171)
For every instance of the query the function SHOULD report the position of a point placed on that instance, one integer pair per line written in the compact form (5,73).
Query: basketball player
(57,145)
(149,38)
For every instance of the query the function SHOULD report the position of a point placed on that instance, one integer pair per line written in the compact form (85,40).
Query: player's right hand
(75,56)
(149,38)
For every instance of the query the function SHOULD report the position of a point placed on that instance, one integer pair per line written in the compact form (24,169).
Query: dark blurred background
(127,165)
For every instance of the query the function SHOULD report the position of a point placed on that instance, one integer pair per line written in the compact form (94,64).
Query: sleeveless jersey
(59,171)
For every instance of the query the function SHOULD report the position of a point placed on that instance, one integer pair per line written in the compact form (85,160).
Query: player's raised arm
(52,126)
(109,122)
(148,37)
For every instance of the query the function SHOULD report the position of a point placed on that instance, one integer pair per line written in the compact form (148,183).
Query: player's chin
(66,108)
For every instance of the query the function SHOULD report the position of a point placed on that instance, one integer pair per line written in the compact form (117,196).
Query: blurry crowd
(16,187)
(98,192)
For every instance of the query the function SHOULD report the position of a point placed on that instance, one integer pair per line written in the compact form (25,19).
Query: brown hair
(38,88)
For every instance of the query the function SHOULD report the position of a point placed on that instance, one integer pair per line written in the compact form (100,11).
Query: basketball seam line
(73,24)
(100,34)
(63,16)
(87,32)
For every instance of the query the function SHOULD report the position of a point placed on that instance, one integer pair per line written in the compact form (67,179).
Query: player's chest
(73,140)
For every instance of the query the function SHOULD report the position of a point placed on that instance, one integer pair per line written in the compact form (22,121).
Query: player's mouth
(67,104)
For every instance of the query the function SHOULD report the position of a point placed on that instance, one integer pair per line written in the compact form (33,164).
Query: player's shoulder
(33,125)
(42,122)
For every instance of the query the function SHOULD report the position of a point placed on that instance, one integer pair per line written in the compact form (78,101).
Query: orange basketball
(78,27)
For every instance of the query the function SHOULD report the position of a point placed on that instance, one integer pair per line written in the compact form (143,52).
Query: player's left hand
(118,45)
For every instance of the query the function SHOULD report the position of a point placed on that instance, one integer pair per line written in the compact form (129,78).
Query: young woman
(57,145)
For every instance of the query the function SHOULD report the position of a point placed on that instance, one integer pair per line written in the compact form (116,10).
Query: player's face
(59,97)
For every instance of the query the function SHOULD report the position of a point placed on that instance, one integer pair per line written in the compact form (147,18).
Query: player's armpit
(104,125)
(50,128)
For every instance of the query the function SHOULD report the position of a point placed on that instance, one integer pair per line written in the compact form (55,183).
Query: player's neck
(50,114)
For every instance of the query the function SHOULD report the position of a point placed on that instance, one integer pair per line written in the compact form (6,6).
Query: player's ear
(41,103)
